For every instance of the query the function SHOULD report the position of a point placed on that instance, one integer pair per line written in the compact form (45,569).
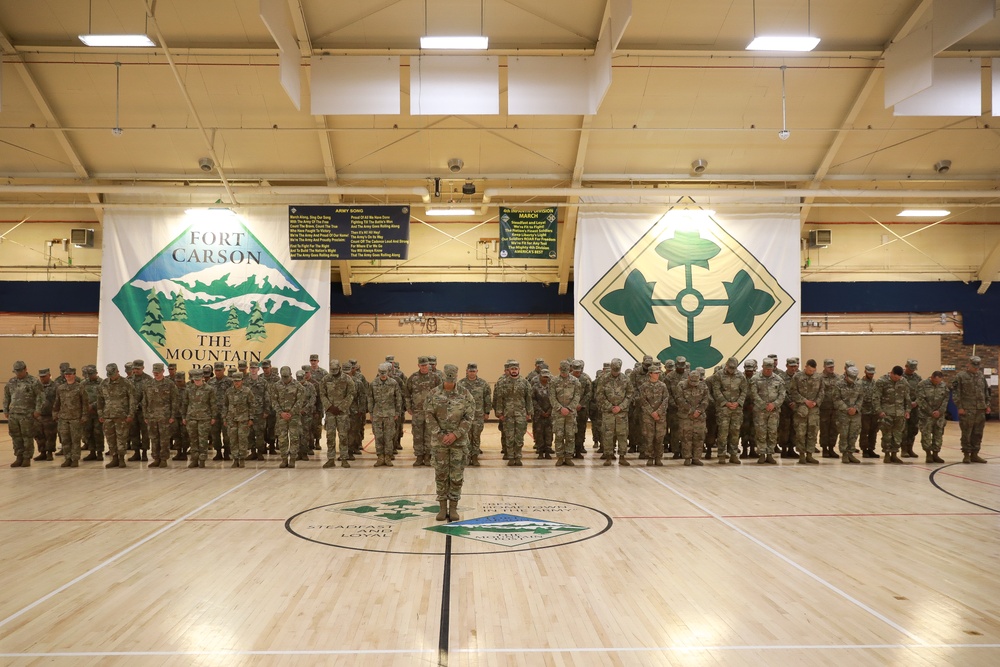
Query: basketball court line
(800,568)
(121,554)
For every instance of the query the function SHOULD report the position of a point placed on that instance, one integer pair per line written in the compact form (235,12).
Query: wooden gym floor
(720,565)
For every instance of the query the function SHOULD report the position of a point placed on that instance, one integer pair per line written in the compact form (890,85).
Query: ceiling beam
(567,244)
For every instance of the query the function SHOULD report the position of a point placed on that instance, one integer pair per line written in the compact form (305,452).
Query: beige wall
(47,352)
(885,351)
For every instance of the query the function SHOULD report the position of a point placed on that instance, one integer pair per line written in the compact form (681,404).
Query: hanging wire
(784,124)
(117,130)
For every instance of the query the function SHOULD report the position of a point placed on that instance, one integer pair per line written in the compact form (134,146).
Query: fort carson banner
(209,286)
(703,287)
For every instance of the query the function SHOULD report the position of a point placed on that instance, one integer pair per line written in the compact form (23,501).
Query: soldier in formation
(45,434)
(200,407)
(21,398)
(482,403)
(386,402)
(449,410)
(767,391)
(564,395)
(892,403)
(614,398)
(415,392)
(932,401)
(512,406)
(847,400)
(653,399)
(116,406)
(338,392)
(972,396)
(159,400)
(239,409)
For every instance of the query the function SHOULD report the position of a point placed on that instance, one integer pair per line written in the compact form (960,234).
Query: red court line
(781,516)
(122,520)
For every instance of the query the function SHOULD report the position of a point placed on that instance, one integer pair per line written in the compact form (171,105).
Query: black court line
(445,606)
(953,495)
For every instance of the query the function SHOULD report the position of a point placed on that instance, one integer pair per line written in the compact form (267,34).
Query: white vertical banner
(209,286)
(704,287)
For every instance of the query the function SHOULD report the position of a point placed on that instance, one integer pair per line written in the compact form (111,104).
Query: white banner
(705,287)
(209,286)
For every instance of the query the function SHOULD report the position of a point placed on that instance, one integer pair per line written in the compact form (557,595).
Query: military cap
(655,367)
(138,363)
(700,372)
(773,357)
(607,364)
(69,370)
(849,363)
(681,361)
(546,373)
(869,368)
(450,372)
(63,366)
(792,361)
(237,377)
(157,367)
(85,369)
(180,376)
(241,364)
(172,366)
(732,362)
(767,363)
(852,371)
(313,357)
(111,368)
(335,364)
(19,366)
(976,360)
(196,374)
(911,363)
(128,365)
(577,364)
(390,357)
(266,363)
(472,366)
(750,364)
(647,358)
(219,366)
(286,372)
(616,364)
(937,374)
(207,367)
(670,364)
(545,365)
(254,364)
(42,372)
(539,360)
(513,363)
(432,359)
(423,360)
(384,368)
(300,375)
(565,366)
(305,368)
(828,362)
(352,362)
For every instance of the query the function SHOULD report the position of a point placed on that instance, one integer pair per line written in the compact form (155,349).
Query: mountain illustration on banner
(215,294)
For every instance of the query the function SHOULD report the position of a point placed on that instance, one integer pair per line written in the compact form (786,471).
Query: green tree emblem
(152,324)
(256,329)
(178,312)
(234,319)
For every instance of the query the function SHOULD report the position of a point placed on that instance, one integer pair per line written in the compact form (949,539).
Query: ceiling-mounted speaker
(699,166)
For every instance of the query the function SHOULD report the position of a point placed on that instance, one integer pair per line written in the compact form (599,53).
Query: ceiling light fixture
(923,213)
(478,42)
(125,40)
(450,211)
(799,43)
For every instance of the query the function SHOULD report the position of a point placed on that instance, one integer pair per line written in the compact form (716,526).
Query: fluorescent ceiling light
(922,213)
(116,40)
(785,43)
(214,213)
(468,43)
(450,211)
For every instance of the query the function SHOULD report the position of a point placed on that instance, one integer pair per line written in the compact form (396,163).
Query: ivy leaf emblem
(634,302)
(687,248)
(746,302)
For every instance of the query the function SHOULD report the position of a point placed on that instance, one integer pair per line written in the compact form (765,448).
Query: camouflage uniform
(139,430)
(497,389)
(386,400)
(614,391)
(827,410)
(596,418)
(712,414)
(932,398)
(637,378)
(449,412)
(159,398)
(257,438)
(848,396)
(564,394)
(269,376)
(673,379)
(359,408)
(338,391)
(200,408)
(21,398)
(653,397)
(913,421)
(765,391)
(972,396)
(869,416)
(479,389)
(747,435)
(892,402)
(93,430)
(416,390)
(512,404)
(239,410)
(181,442)
(692,403)
(287,397)
(541,418)
(583,410)
(45,433)
(116,409)
(310,408)
(786,420)
(805,387)
(220,439)
(730,394)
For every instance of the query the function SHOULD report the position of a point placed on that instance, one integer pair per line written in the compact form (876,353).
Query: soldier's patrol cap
(353,362)
(266,363)
(69,370)
(299,375)
(138,363)
(110,368)
(472,366)
(241,364)
(607,364)
(849,363)
(180,376)
(577,364)
(305,368)
(828,362)
(172,366)
(792,361)
(681,361)
(230,372)
(432,359)
(655,367)
(157,367)
(750,364)
(335,364)
(450,372)
(670,364)
(196,374)
(63,366)
(647,358)
(975,361)
(313,357)
(254,364)
(384,367)
(546,373)
(128,365)
(700,372)
(237,377)
(286,372)
(852,371)
(390,357)
(423,360)
(732,362)
(565,366)
(616,364)
(911,363)
(869,368)
(219,366)
(512,363)
(19,366)
(767,363)
(42,372)
(539,361)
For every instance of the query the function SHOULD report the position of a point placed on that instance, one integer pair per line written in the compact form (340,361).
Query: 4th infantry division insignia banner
(198,288)
(686,284)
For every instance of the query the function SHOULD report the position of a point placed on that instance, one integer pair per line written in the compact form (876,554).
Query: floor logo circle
(491,524)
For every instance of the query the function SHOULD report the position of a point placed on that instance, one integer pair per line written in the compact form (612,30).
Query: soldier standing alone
(972,396)
(449,411)
(932,399)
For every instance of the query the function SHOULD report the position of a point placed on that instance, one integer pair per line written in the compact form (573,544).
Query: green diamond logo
(398,509)
(696,290)
(215,287)
(507,530)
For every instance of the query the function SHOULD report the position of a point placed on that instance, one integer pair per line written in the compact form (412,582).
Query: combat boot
(66,463)
(121,463)
(937,457)
(164,464)
(762,460)
(976,458)
(843,458)
(17,461)
(40,457)
(511,462)
(193,463)
(388,461)
(330,463)
(418,462)
(154,464)
(649,461)
(802,457)
(474,460)
(242,464)
(885,459)
(291,461)
(657,461)
(723,459)
(518,464)
(378,464)
(894,458)
(218,455)
(909,453)
(770,460)
(283,464)
(810,459)
(236,463)
(252,457)
(733,458)
(345,464)
(113,463)
(929,458)
(560,461)
(92,456)
(442,514)
(136,456)
(851,458)
(622,461)
(453,511)
(569,462)
(608,462)
(144,456)
(74,464)
(696,461)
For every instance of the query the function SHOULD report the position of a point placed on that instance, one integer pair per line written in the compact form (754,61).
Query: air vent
(82,238)
(820,238)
